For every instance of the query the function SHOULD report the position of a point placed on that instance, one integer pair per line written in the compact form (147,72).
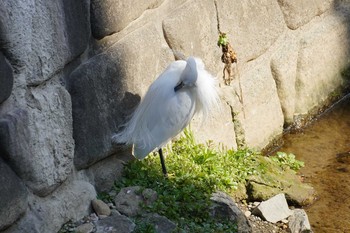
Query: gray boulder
(223,207)
(6,78)
(13,196)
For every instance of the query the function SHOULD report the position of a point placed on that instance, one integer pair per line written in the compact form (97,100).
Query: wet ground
(324,146)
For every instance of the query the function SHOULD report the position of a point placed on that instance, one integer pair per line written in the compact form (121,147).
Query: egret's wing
(168,118)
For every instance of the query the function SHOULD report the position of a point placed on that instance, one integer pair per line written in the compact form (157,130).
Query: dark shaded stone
(104,91)
(77,23)
(14,141)
(109,16)
(40,37)
(13,196)
(99,105)
(6,78)
(223,207)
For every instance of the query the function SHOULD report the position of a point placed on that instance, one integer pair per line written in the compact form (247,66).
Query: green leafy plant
(287,160)
(222,41)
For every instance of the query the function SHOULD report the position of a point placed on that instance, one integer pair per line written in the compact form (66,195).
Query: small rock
(85,228)
(274,209)
(100,207)
(299,222)
(247,213)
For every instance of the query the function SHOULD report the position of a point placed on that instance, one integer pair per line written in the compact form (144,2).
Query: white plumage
(182,90)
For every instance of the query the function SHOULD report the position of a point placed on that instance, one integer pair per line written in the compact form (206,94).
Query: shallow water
(324,146)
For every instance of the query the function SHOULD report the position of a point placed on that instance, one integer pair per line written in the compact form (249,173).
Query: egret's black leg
(162,162)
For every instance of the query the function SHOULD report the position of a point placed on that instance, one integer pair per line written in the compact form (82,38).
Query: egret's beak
(179,86)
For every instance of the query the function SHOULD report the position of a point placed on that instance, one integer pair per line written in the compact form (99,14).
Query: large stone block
(108,16)
(191,29)
(70,201)
(299,12)
(284,70)
(38,142)
(6,78)
(252,26)
(218,128)
(13,196)
(106,89)
(323,54)
(43,36)
(262,117)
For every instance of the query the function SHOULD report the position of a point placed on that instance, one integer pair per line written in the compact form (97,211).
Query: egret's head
(189,75)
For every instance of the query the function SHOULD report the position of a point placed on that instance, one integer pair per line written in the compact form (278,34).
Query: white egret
(182,90)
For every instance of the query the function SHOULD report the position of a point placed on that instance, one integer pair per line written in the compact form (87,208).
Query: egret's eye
(179,86)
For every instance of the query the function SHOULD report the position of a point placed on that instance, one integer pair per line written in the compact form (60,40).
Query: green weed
(287,160)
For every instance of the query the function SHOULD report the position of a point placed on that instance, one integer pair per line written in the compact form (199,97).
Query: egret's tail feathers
(208,98)
(141,152)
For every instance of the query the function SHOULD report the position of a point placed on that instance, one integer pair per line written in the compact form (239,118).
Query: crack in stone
(217,16)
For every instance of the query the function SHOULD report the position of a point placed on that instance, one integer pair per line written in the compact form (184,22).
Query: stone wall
(71,71)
